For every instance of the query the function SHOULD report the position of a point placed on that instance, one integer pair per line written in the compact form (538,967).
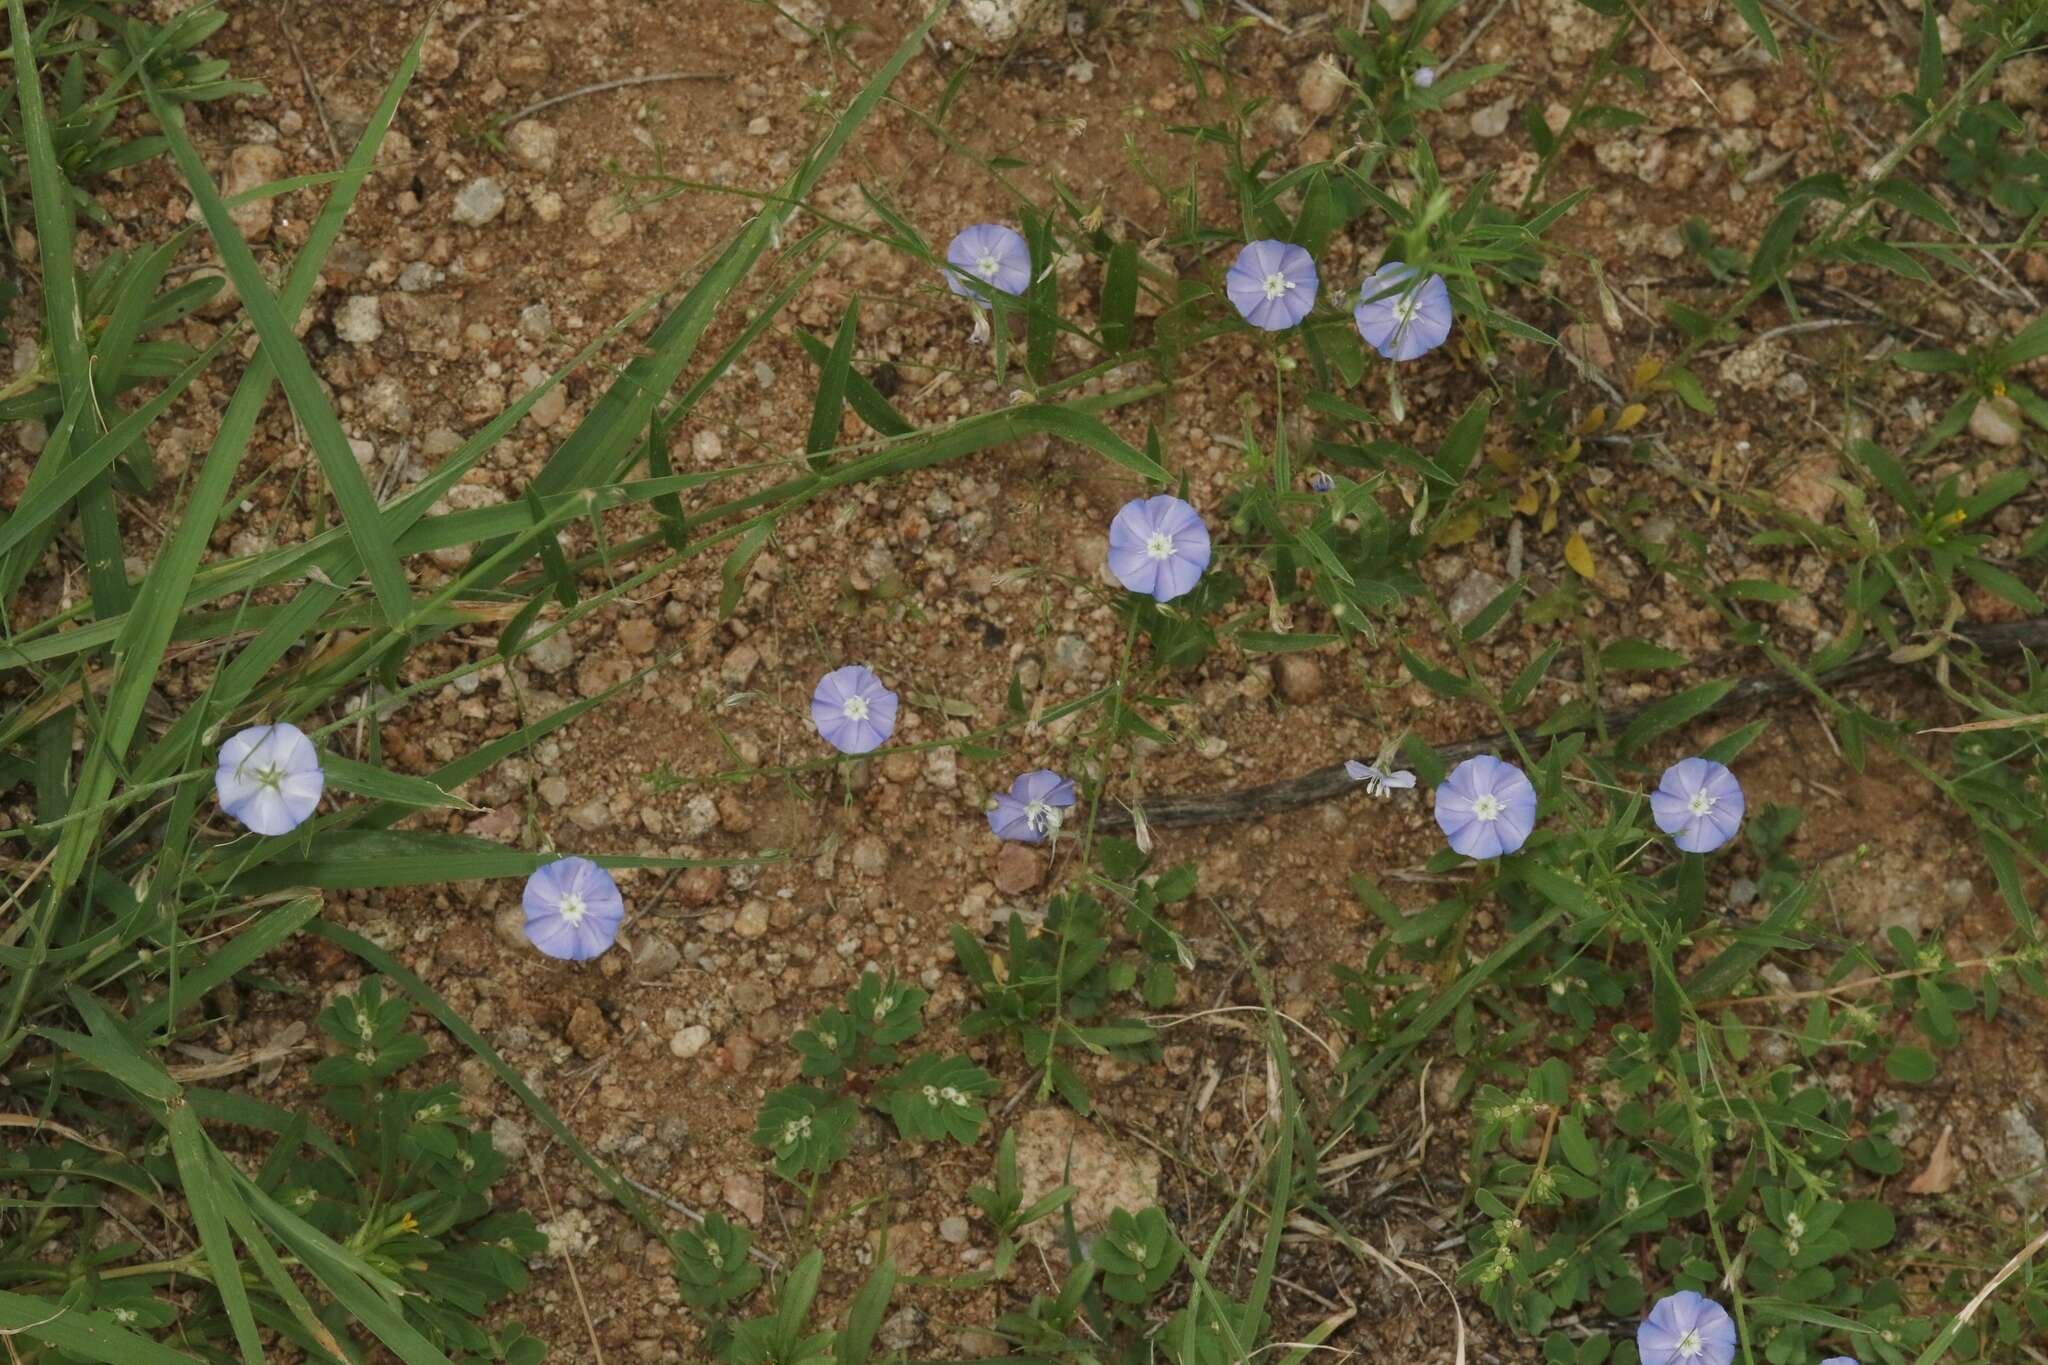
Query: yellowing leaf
(1630,415)
(1549,522)
(1505,460)
(1647,370)
(1595,420)
(1571,452)
(1531,499)
(1579,556)
(1458,529)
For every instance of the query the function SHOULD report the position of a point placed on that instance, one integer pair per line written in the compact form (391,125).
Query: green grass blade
(381,784)
(362,859)
(65,323)
(295,375)
(831,401)
(85,1335)
(205,1198)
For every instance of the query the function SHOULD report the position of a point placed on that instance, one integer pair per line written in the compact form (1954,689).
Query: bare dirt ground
(448,295)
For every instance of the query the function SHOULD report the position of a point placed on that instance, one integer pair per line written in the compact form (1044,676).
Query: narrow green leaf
(1639,656)
(861,394)
(1435,679)
(1671,713)
(204,1197)
(831,400)
(1120,297)
(381,784)
(295,375)
(1461,444)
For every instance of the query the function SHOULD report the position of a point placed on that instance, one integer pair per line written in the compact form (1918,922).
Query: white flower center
(1404,309)
(573,909)
(1042,817)
(1700,804)
(1486,806)
(987,267)
(1159,546)
(1690,1345)
(271,776)
(856,708)
(1277,284)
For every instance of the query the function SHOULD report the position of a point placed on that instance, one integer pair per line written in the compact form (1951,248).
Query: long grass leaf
(65,324)
(80,1332)
(205,1197)
(295,375)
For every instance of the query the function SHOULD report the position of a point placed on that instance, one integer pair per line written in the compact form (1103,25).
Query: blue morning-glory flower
(1686,1329)
(991,253)
(1840,1360)
(1378,780)
(1486,808)
(1400,318)
(1272,284)
(1033,809)
(853,711)
(1699,804)
(1158,545)
(1425,76)
(1319,482)
(573,909)
(269,778)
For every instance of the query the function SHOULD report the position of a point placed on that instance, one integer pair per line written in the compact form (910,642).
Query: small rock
(739,665)
(360,320)
(1300,678)
(700,816)
(690,1041)
(1805,490)
(607,221)
(591,815)
(536,321)
(953,1229)
(1056,1146)
(478,202)
(551,653)
(554,789)
(700,886)
(752,920)
(901,1330)
(549,407)
(1738,102)
(588,1033)
(1995,421)
(508,1137)
(1492,120)
(1018,869)
(1474,591)
(655,958)
(745,1196)
(1321,86)
(1071,654)
(250,165)
(532,144)
(869,855)
(637,635)
(2018,1157)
